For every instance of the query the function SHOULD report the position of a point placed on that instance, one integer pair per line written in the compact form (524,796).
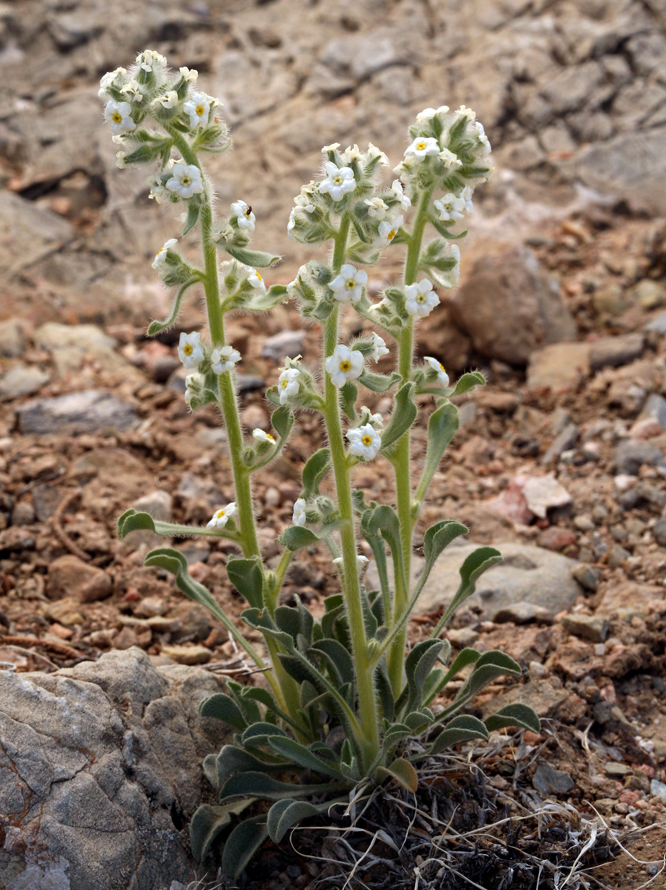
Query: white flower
(339,181)
(421,147)
(449,207)
(151,60)
(288,384)
(185,181)
(257,281)
(377,209)
(483,139)
(133,91)
(168,100)
(379,347)
(387,231)
(108,80)
(198,108)
(345,364)
(158,190)
(120,159)
(224,359)
(261,436)
(377,153)
(428,113)
(351,154)
(454,274)
(304,202)
(449,159)
(361,562)
(466,196)
(194,383)
(243,214)
(189,74)
(334,146)
(438,367)
(299,517)
(421,299)
(160,258)
(190,350)
(119,116)
(349,284)
(222,516)
(364,441)
(400,194)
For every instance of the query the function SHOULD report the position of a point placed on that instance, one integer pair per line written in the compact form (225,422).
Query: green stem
(350,581)
(401,462)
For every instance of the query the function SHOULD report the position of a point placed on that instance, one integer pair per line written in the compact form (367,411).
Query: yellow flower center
(268,436)
(117,117)
(391,235)
(186,180)
(350,284)
(420,146)
(345,366)
(442,367)
(367,440)
(220,514)
(420,298)
(199,110)
(284,384)
(187,349)
(259,276)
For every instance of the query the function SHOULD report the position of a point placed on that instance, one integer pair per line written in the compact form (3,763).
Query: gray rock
(659,532)
(649,293)
(27,232)
(12,338)
(546,780)
(570,88)
(158,503)
(559,366)
(588,627)
(630,455)
(99,770)
(526,575)
(22,381)
(524,613)
(615,351)
(82,412)
(285,343)
(509,306)
(587,576)
(657,325)
(655,407)
(69,345)
(658,789)
(604,167)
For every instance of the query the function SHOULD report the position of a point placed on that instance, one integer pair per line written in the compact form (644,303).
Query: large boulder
(100,771)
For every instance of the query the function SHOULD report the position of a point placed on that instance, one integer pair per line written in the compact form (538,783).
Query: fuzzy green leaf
(460,729)
(297,536)
(282,420)
(247,577)
(465,657)
(208,822)
(231,760)
(260,733)
(338,659)
(131,520)
(418,664)
(514,715)
(468,382)
(475,565)
(263,787)
(284,814)
(378,382)
(268,300)
(155,327)
(314,471)
(348,396)
(402,416)
(193,211)
(257,258)
(442,426)
(223,707)
(301,755)
(403,772)
(242,844)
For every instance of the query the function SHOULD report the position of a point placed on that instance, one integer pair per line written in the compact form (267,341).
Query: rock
(655,409)
(285,343)
(617,556)
(524,613)
(587,577)
(658,789)
(509,306)
(588,627)
(657,325)
(629,598)
(64,611)
(249,382)
(659,532)
(21,381)
(559,366)
(615,351)
(603,166)
(15,539)
(26,231)
(556,539)
(12,338)
(70,576)
(650,294)
(526,574)
(90,411)
(539,694)
(254,417)
(150,607)
(543,493)
(70,344)
(547,779)
(462,636)
(629,456)
(159,504)
(187,654)
(99,771)
(512,503)
(563,441)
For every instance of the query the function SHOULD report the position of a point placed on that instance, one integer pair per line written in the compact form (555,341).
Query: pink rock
(512,502)
(554,538)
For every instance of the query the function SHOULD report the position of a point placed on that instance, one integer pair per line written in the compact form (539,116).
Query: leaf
(261,620)
(435,540)
(268,300)
(248,579)
(301,755)
(282,420)
(384,521)
(514,715)
(337,657)
(297,536)
(488,667)
(314,472)
(378,382)
(475,565)
(242,844)
(442,426)
(176,563)
(263,787)
(465,657)
(193,210)
(260,733)
(223,707)
(131,521)
(155,327)
(257,258)
(460,729)
(468,382)
(402,416)
(348,396)
(403,772)
(284,814)
(231,760)
(418,665)
(208,822)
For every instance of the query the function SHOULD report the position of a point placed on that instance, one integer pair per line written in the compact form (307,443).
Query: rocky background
(560,461)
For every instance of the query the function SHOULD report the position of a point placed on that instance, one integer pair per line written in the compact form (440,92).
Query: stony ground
(562,304)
